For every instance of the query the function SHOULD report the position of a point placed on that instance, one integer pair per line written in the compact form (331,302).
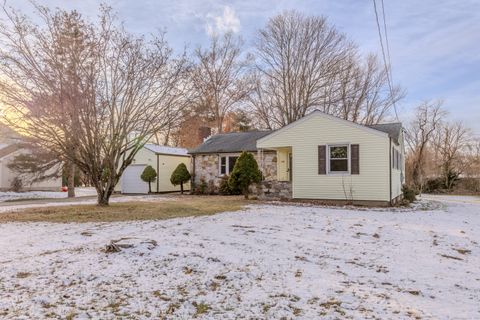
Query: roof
(5,150)
(392,129)
(231,142)
(158,149)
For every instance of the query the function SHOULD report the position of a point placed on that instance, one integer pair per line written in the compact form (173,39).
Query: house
(319,157)
(163,159)
(8,152)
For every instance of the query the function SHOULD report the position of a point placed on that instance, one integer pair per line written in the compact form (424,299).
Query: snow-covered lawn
(267,262)
(11,196)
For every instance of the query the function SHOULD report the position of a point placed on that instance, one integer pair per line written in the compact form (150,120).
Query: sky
(434,44)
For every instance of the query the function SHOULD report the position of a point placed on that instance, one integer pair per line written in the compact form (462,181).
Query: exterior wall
(207,166)
(272,190)
(166,165)
(7,175)
(398,175)
(307,134)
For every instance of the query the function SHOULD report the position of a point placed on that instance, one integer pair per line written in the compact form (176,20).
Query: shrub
(409,193)
(211,189)
(149,175)
(16,185)
(180,176)
(201,188)
(225,188)
(244,173)
(434,185)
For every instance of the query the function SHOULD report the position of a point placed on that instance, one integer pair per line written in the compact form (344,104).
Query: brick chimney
(203,133)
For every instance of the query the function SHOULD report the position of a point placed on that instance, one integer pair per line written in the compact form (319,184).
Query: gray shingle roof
(230,142)
(393,129)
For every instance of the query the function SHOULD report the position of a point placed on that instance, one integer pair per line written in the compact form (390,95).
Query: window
(338,159)
(227,163)
(396,159)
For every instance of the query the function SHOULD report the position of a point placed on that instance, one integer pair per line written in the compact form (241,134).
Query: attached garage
(163,159)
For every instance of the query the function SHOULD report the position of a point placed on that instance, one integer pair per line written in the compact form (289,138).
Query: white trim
(324,115)
(227,163)
(348,172)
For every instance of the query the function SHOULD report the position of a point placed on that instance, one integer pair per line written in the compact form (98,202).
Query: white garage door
(131,181)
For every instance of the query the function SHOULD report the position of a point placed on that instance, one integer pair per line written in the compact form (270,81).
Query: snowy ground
(266,262)
(10,196)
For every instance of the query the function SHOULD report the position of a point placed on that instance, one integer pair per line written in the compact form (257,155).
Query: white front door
(131,181)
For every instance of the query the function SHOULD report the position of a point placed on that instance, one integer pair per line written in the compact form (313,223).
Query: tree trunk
(103,195)
(181,187)
(149,187)
(71,180)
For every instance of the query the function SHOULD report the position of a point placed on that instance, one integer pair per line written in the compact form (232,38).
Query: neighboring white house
(327,158)
(163,159)
(7,154)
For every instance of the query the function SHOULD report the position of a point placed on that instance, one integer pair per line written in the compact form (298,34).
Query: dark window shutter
(355,159)
(322,159)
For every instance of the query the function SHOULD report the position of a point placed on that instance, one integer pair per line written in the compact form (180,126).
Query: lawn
(156,209)
(266,261)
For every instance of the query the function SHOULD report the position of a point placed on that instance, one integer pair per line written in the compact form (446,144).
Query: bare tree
(297,57)
(219,77)
(450,141)
(419,135)
(87,91)
(304,64)
(361,92)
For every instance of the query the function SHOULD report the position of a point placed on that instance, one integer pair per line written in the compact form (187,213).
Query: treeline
(443,155)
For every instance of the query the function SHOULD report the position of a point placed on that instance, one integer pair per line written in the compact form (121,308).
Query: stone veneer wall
(272,190)
(207,167)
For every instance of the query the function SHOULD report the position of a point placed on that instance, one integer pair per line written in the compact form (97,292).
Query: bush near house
(225,189)
(149,175)
(244,173)
(180,176)
(16,185)
(409,193)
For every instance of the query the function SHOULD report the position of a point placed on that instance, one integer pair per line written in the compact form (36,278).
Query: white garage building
(163,159)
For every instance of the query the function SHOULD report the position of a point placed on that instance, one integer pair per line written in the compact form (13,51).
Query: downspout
(158,172)
(192,181)
(390,168)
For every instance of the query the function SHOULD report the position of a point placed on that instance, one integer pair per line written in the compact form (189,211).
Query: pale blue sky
(435,45)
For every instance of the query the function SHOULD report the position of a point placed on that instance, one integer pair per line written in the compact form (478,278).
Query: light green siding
(304,137)
(166,165)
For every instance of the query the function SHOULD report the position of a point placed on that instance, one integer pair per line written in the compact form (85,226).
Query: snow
(267,261)
(10,196)
(166,149)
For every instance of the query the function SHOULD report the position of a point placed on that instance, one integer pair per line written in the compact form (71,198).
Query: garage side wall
(167,164)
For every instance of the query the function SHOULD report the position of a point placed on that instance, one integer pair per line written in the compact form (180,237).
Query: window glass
(339,159)
(231,163)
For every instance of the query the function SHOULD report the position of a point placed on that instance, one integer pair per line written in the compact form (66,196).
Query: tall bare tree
(419,135)
(297,56)
(360,92)
(87,91)
(219,77)
(451,141)
(304,63)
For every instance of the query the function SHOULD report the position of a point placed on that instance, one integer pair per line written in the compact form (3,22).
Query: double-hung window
(338,159)
(226,164)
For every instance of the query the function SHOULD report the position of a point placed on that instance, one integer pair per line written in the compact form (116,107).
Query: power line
(386,64)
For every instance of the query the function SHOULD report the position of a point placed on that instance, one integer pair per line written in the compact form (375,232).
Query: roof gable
(318,113)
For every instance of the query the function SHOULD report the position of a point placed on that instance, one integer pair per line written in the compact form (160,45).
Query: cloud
(226,22)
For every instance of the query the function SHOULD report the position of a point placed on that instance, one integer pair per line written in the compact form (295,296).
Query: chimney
(204,133)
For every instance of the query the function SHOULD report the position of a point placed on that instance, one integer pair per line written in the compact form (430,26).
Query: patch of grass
(201,308)
(23,275)
(185,206)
